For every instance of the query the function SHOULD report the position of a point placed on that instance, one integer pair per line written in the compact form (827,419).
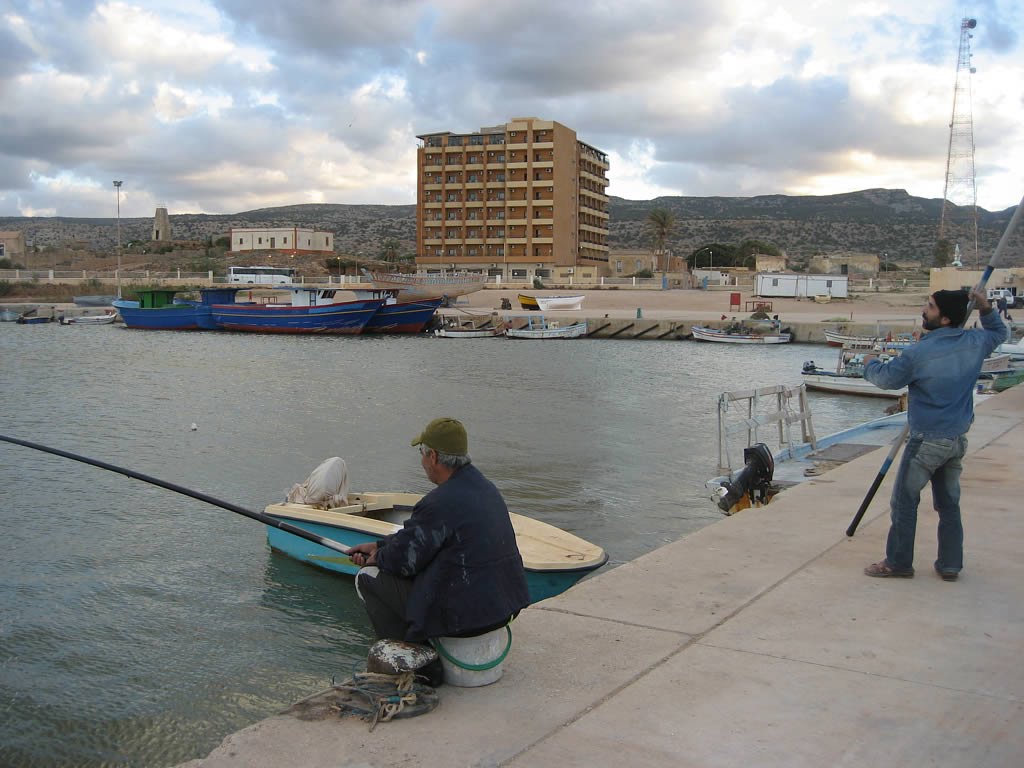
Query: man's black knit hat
(952,304)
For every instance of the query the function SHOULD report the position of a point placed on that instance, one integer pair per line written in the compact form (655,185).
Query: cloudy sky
(219,106)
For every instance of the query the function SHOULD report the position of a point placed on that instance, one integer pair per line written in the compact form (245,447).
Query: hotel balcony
(511,147)
(516,184)
(520,165)
(543,145)
(543,164)
(431,204)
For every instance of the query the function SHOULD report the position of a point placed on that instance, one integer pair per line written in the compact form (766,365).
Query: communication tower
(961,188)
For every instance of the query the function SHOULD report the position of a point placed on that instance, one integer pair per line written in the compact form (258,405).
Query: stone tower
(161,225)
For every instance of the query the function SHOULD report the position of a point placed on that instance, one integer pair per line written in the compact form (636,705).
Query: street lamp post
(117,191)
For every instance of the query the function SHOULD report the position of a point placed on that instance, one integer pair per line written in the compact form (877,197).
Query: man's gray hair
(452,460)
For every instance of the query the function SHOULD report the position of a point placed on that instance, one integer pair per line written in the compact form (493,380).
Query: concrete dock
(756,641)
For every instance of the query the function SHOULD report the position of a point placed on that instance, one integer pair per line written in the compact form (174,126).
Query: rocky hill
(878,221)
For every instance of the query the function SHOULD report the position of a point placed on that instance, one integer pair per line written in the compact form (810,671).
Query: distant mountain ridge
(878,221)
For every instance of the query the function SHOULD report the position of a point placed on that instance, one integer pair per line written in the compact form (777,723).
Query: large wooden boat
(309,310)
(437,286)
(159,310)
(554,559)
(398,313)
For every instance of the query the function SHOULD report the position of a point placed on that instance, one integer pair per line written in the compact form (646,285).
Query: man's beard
(930,325)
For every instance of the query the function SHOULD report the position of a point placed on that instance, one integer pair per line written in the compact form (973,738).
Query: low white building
(283,239)
(787,285)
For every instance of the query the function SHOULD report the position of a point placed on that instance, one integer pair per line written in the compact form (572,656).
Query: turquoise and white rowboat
(554,559)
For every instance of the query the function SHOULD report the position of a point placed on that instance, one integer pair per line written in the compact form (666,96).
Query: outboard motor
(754,478)
(810,367)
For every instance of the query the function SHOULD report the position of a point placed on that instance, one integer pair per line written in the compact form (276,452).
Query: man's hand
(364,554)
(981,302)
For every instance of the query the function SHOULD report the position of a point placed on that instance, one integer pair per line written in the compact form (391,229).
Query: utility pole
(117,191)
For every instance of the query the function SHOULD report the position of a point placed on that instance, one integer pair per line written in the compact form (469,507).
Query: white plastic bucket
(458,653)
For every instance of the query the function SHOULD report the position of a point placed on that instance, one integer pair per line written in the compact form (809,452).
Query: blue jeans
(937,460)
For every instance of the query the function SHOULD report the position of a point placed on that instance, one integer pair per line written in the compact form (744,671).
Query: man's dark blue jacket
(459,549)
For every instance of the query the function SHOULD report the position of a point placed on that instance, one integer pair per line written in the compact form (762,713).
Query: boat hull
(574,331)
(545,577)
(403,317)
(34,320)
(467,333)
(106,319)
(427,286)
(701,333)
(348,317)
(188,316)
(848,385)
(547,303)
(528,302)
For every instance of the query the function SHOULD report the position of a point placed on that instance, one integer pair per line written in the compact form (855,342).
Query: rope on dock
(373,697)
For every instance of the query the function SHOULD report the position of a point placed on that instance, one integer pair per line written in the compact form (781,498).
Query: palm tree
(390,250)
(661,223)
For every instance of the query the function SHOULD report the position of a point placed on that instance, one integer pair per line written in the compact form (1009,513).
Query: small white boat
(740,336)
(889,341)
(105,319)
(467,332)
(542,328)
(1014,349)
(547,303)
(9,316)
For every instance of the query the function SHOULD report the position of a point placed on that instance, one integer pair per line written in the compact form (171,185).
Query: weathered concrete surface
(753,642)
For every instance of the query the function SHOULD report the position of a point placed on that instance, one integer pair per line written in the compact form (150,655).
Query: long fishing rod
(996,255)
(261,517)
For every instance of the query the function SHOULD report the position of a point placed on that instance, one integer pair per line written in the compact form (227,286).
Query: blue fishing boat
(310,310)
(159,310)
(554,559)
(396,315)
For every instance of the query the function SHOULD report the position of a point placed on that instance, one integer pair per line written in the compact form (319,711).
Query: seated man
(454,569)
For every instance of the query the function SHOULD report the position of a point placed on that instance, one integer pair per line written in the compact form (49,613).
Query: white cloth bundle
(326,487)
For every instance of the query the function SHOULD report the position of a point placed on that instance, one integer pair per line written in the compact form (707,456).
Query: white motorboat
(105,319)
(467,332)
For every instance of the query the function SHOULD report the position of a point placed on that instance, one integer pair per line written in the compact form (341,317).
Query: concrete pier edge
(755,641)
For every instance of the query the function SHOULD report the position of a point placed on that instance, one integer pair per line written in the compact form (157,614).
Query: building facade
(281,239)
(12,245)
(521,200)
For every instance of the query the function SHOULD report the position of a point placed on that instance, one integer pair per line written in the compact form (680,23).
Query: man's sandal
(883,570)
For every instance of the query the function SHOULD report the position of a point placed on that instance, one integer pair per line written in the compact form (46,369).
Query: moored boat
(437,286)
(94,301)
(554,559)
(399,314)
(8,316)
(542,328)
(891,341)
(158,310)
(105,319)
(848,377)
(34,320)
(468,332)
(528,302)
(310,310)
(741,335)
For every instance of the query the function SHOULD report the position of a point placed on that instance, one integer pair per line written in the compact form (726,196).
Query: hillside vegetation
(877,221)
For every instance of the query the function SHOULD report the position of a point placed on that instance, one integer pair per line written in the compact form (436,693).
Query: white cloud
(222,105)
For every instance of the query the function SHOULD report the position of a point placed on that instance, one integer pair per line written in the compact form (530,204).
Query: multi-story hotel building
(518,200)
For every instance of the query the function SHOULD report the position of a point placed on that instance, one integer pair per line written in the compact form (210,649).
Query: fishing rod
(260,516)
(989,269)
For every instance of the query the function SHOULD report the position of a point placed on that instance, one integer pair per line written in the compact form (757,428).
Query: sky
(222,106)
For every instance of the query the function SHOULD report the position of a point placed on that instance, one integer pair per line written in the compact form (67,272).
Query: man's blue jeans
(937,460)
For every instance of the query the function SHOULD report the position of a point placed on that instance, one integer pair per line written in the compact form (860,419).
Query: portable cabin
(795,286)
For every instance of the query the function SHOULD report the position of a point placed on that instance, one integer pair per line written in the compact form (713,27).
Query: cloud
(222,105)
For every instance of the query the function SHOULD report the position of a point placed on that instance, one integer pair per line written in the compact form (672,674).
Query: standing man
(940,371)
(454,569)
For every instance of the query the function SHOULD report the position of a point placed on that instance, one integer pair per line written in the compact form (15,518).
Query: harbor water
(139,627)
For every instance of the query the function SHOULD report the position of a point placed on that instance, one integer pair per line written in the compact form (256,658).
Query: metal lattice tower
(961,189)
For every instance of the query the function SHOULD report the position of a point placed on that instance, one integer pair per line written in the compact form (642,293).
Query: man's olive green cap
(445,435)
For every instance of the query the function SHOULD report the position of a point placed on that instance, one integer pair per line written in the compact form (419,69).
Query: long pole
(996,255)
(261,517)
(117,192)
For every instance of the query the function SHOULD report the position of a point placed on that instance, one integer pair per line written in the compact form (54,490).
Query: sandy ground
(682,304)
